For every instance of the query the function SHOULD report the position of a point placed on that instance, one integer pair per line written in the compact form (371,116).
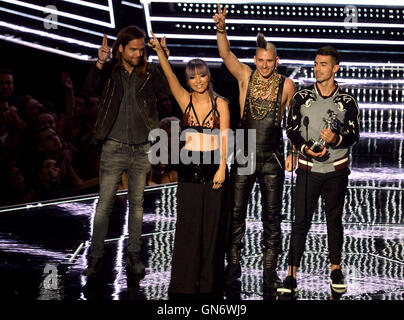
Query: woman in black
(202,194)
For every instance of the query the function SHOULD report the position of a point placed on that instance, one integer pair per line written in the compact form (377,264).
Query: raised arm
(180,94)
(96,78)
(239,70)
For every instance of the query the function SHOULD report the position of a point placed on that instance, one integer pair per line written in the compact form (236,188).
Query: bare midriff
(196,141)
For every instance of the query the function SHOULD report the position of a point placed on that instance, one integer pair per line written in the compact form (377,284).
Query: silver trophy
(330,123)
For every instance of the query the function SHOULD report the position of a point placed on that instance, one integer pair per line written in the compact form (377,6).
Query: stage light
(130,4)
(45,48)
(49,10)
(69,26)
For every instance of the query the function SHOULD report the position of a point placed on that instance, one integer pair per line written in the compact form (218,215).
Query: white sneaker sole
(288,291)
(340,288)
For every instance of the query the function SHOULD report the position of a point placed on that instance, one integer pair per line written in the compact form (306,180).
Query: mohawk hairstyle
(263,44)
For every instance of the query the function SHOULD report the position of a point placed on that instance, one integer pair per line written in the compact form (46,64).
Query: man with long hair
(128,86)
(263,96)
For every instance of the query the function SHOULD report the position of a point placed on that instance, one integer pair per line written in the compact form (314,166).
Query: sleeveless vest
(269,137)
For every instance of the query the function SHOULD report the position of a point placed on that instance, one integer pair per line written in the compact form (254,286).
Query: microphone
(306,121)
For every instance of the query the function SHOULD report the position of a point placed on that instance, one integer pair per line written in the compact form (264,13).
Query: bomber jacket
(308,103)
(107,83)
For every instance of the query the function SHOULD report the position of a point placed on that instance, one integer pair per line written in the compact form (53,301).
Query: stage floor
(44,250)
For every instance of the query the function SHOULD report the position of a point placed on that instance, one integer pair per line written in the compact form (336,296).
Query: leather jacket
(107,83)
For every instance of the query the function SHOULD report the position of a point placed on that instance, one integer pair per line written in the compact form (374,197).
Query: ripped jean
(117,157)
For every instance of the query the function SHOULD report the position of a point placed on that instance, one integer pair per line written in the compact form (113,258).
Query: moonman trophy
(330,123)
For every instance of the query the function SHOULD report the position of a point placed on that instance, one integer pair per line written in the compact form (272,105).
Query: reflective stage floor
(44,250)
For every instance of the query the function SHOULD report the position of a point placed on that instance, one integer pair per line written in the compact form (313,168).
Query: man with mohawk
(263,96)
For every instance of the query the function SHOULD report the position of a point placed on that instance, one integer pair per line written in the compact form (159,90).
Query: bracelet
(220,30)
(98,60)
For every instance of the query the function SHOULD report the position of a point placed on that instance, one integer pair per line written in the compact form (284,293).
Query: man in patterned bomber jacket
(321,172)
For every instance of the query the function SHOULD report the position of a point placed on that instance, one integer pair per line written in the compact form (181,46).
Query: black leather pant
(270,177)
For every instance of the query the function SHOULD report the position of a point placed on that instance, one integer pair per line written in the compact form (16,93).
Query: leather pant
(270,174)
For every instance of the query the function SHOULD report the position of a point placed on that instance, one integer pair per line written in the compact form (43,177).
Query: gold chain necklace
(263,94)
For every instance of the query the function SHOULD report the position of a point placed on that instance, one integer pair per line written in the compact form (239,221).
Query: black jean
(332,187)
(115,159)
(270,177)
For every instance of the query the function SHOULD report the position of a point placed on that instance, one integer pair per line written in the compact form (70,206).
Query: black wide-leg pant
(309,186)
(200,238)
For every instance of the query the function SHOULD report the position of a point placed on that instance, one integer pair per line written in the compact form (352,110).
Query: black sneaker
(288,285)
(337,281)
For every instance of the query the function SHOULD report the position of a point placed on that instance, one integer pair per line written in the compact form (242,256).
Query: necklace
(263,95)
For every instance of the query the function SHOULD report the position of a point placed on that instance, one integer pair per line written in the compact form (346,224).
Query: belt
(128,144)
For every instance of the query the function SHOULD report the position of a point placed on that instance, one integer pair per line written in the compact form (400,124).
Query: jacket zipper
(276,157)
(144,83)
(110,100)
(109,80)
(144,101)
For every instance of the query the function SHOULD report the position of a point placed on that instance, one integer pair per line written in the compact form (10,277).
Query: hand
(290,162)
(328,136)
(104,51)
(54,174)
(66,80)
(15,119)
(314,154)
(220,17)
(219,178)
(164,46)
(155,44)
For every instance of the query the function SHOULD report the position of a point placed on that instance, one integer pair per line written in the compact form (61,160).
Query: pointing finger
(105,40)
(219,10)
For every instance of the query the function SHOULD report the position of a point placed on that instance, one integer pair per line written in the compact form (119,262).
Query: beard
(133,62)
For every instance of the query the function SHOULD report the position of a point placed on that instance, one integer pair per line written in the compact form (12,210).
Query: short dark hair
(330,51)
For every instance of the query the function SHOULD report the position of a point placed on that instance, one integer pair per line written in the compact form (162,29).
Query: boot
(134,265)
(94,267)
(270,261)
(233,268)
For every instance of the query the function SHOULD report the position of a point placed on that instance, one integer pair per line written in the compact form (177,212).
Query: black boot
(94,267)
(270,261)
(134,265)
(233,268)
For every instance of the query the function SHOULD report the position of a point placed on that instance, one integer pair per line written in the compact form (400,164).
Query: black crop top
(211,121)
